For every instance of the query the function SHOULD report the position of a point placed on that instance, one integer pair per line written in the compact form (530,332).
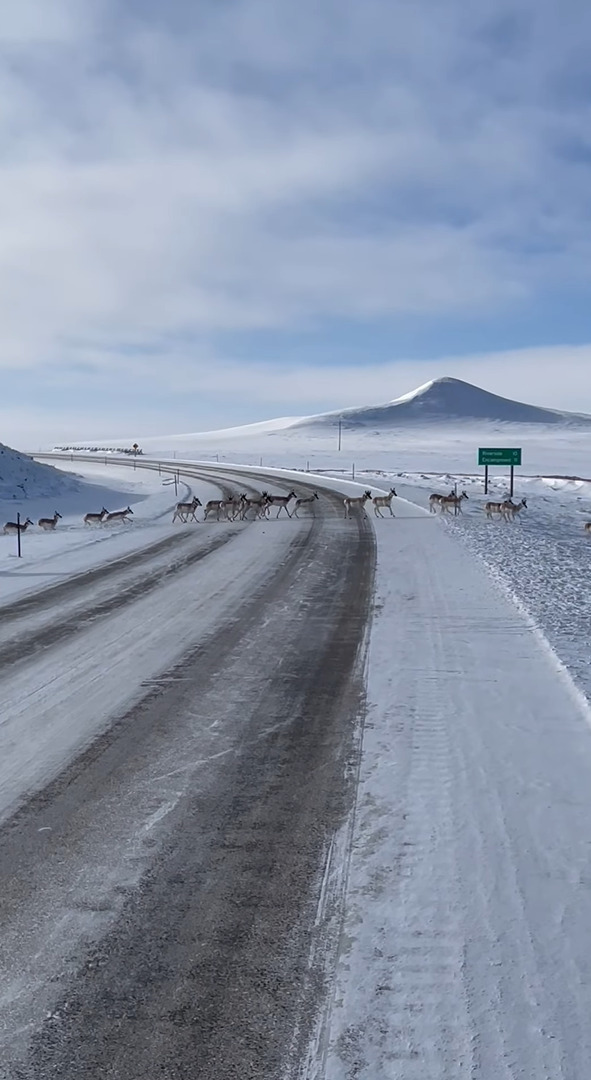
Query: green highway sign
(488,455)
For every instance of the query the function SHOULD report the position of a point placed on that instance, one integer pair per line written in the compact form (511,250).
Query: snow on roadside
(543,561)
(466,939)
(74,547)
(23,479)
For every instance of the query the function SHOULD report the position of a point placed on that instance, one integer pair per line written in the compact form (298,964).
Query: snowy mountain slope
(445,401)
(23,478)
(440,404)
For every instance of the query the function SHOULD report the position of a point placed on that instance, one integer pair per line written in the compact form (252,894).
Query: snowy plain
(464,949)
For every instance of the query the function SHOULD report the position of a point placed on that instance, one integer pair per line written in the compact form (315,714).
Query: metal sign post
(495,455)
(18,535)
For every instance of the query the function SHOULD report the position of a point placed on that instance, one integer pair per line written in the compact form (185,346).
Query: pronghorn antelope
(232,507)
(307,501)
(384,500)
(357,503)
(13,527)
(49,523)
(510,509)
(258,503)
(435,501)
(492,508)
(186,510)
(223,508)
(95,519)
(452,500)
(119,515)
(282,501)
(587,526)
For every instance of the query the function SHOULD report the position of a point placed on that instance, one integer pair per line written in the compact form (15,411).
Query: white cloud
(220,393)
(255,164)
(554,377)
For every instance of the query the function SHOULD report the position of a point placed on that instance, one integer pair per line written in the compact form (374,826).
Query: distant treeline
(99,449)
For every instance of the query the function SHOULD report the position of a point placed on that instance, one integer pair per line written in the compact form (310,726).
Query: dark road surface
(204,968)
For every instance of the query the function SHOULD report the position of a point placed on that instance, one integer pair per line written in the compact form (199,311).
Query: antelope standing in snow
(452,500)
(119,515)
(587,527)
(95,519)
(48,524)
(13,527)
(384,500)
(510,509)
(305,501)
(435,501)
(282,501)
(186,510)
(492,508)
(357,503)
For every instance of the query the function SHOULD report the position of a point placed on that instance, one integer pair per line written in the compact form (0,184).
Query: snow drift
(23,478)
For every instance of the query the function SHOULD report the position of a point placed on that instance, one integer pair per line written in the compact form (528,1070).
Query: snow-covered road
(112,639)
(228,695)
(466,946)
(240,866)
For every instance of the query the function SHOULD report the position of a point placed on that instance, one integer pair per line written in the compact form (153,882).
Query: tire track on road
(206,971)
(24,647)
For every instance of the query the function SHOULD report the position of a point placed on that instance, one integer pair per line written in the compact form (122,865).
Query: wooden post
(340,429)
(353,471)
(18,534)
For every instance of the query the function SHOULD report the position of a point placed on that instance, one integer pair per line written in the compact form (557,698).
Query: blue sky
(220,212)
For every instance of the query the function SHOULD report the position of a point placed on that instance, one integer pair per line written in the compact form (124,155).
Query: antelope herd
(505,510)
(49,524)
(238,508)
(258,507)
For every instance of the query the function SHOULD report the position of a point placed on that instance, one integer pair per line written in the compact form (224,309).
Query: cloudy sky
(220,212)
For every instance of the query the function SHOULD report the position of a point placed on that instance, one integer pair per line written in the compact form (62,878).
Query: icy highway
(294,800)
(179,744)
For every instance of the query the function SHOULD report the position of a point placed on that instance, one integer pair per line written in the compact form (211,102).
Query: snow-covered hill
(22,478)
(444,401)
(435,428)
(441,403)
